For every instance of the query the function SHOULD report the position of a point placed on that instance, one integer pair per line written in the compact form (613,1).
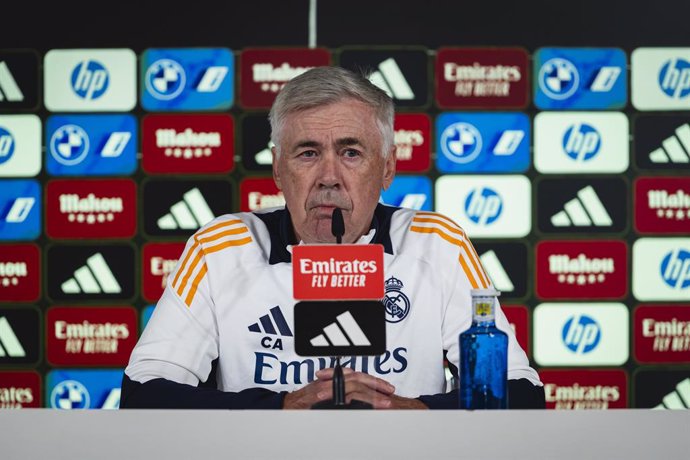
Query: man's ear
(389,168)
(276,173)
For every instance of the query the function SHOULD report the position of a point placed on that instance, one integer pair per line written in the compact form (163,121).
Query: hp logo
(461,142)
(581,142)
(165,79)
(674,78)
(675,269)
(581,334)
(70,394)
(483,206)
(6,145)
(558,78)
(90,80)
(69,145)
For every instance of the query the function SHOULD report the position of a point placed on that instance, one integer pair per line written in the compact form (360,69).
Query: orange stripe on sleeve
(454,241)
(477,264)
(227,244)
(439,222)
(195,284)
(196,244)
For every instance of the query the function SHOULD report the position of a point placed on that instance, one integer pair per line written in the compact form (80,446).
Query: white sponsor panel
(90,80)
(486,206)
(581,334)
(660,78)
(20,145)
(661,269)
(581,142)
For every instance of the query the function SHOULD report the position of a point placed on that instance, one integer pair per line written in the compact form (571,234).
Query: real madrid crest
(396,302)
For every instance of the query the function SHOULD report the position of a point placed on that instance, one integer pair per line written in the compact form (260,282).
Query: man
(333,136)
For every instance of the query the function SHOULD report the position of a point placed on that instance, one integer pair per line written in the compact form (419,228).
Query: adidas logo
(390,78)
(675,149)
(582,211)
(342,333)
(268,325)
(9,90)
(677,399)
(264,157)
(413,201)
(93,278)
(189,214)
(9,343)
(494,268)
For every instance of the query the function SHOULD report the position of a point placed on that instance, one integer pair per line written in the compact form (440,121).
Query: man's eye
(308,154)
(351,153)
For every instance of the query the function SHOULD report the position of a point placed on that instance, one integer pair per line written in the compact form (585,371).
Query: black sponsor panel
(507,266)
(20,336)
(403,74)
(19,84)
(665,388)
(91,272)
(662,142)
(254,143)
(180,208)
(340,328)
(588,205)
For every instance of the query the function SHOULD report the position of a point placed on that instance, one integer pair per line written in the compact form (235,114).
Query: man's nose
(329,172)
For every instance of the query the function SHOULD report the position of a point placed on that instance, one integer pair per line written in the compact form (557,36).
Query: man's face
(331,157)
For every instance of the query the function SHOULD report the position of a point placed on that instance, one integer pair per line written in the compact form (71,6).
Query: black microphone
(338,230)
(338,225)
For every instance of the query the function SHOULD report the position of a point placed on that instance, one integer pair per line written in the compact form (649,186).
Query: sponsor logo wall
(568,168)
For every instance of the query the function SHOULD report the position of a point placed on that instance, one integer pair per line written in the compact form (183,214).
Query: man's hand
(358,385)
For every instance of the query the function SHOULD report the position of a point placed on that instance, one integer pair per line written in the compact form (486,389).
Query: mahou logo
(482,77)
(91,208)
(188,144)
(103,336)
(263,72)
(20,389)
(20,273)
(662,204)
(159,260)
(412,142)
(585,389)
(662,333)
(581,269)
(259,193)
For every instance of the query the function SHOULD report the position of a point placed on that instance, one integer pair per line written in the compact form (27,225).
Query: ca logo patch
(396,302)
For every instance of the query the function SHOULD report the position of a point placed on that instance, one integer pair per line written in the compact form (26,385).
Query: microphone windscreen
(337,223)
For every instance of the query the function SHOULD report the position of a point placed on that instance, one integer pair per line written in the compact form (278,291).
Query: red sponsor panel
(90,336)
(20,273)
(518,318)
(337,272)
(662,204)
(188,144)
(571,389)
(583,269)
(482,78)
(412,142)
(20,389)
(91,208)
(158,260)
(662,333)
(263,72)
(259,193)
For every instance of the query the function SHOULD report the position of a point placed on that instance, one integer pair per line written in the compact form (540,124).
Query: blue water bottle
(483,356)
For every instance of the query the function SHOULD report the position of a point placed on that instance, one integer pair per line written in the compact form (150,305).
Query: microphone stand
(338,401)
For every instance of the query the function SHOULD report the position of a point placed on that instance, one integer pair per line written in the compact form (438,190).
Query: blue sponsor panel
(409,192)
(20,210)
(83,389)
(146,316)
(482,142)
(91,145)
(580,78)
(187,79)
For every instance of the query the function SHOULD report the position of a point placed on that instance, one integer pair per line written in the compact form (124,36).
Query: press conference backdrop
(565,156)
